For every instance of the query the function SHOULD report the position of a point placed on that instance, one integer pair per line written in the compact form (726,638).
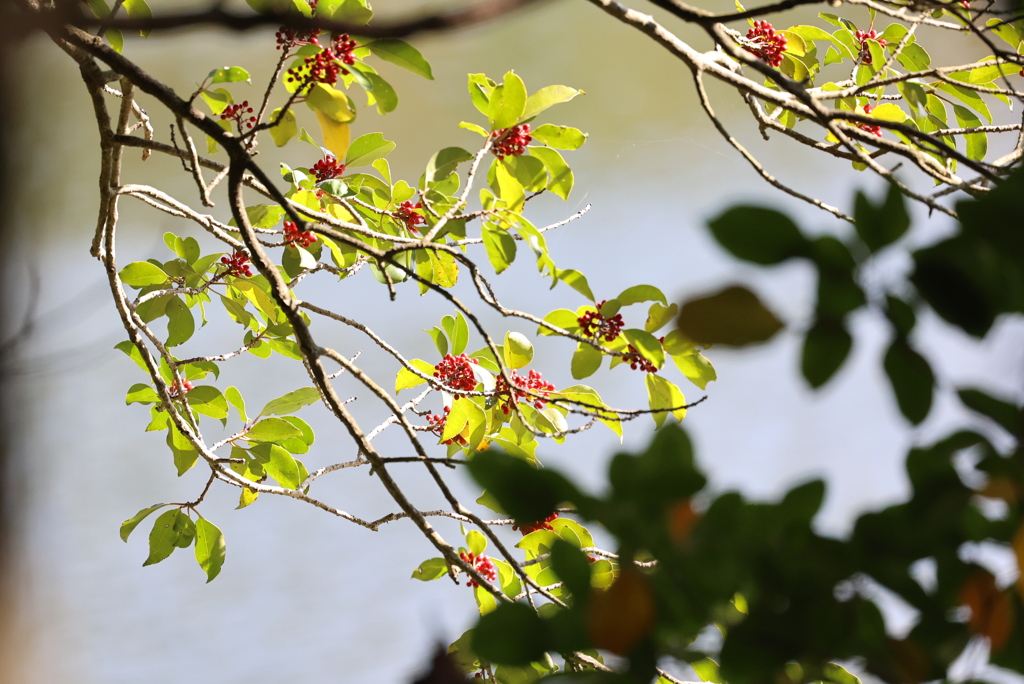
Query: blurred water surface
(308,597)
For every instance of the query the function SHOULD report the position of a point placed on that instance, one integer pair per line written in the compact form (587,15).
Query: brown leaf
(733,317)
(991,609)
(620,617)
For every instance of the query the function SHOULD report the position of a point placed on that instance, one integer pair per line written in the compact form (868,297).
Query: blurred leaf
(911,378)
(732,317)
(826,347)
(883,224)
(759,235)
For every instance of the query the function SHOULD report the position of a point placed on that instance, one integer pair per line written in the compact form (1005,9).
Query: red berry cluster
(437,424)
(238,265)
(544,524)
(767,43)
(324,66)
(874,130)
(293,236)
(596,326)
(407,212)
(175,390)
(481,564)
(328,168)
(288,38)
(456,372)
(533,382)
(237,113)
(511,142)
(863,37)
(638,361)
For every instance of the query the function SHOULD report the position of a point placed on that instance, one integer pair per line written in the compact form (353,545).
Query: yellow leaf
(336,135)
(333,103)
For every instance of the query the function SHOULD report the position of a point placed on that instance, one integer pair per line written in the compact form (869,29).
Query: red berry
(293,236)
(533,382)
(482,564)
(596,326)
(511,142)
(638,361)
(874,130)
(237,112)
(326,65)
(766,43)
(456,372)
(175,390)
(238,265)
(328,168)
(863,37)
(437,424)
(544,524)
(407,212)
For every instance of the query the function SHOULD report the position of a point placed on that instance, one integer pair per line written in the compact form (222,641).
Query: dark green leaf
(760,235)
(1008,416)
(912,380)
(512,634)
(883,224)
(826,347)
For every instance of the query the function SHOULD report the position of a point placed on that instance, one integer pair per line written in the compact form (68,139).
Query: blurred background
(307,597)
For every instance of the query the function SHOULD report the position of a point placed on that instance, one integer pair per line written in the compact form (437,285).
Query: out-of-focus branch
(217,16)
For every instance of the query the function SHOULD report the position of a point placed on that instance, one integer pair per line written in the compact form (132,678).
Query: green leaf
(141,393)
(406,379)
(911,378)
(826,347)
(285,129)
(733,317)
(576,281)
(879,226)
(641,293)
(234,74)
(234,397)
(762,236)
(977,143)
(272,430)
(431,569)
(696,368)
(291,402)
(209,401)
(707,669)
(141,274)
(585,361)
(278,463)
(383,93)
(561,318)
(457,330)
(969,97)
(185,455)
(561,175)
(210,549)
(402,54)
(512,634)
(658,316)
(501,248)
(518,350)
(548,96)
(348,11)
(476,542)
(1004,413)
(507,103)
(661,395)
(180,325)
(444,163)
(367,148)
(440,341)
(647,344)
(129,525)
(163,537)
(560,137)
